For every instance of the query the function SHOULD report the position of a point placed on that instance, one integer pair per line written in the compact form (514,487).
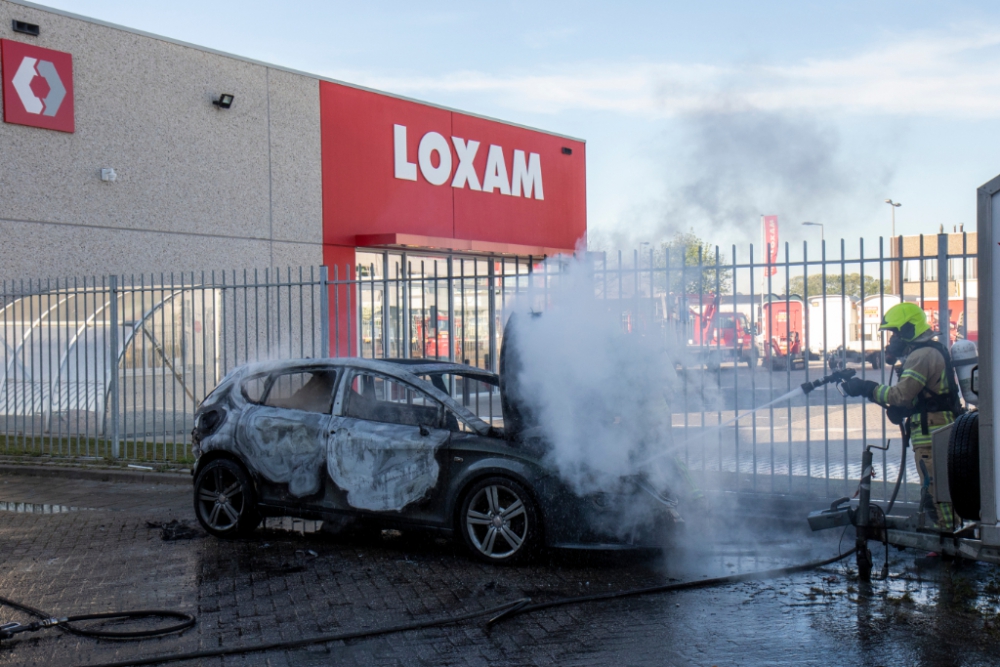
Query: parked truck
(783,333)
(716,336)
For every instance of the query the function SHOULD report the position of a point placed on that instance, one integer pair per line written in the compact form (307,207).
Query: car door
(388,449)
(283,436)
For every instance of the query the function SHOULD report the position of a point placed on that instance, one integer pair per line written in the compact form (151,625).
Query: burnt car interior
(379,399)
(478,393)
(310,391)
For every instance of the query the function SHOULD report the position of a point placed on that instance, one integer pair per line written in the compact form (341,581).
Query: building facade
(121,154)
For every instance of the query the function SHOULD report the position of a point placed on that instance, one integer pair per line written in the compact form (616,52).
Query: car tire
(963,466)
(499,521)
(224,500)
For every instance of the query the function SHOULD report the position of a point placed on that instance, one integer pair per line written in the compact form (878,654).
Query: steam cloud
(601,398)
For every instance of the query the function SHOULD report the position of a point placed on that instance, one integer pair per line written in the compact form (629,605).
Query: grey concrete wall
(198,188)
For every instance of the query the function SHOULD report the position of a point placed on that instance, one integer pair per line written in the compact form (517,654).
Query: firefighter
(925,398)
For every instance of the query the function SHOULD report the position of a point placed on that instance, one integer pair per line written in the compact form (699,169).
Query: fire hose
(46,621)
(495,615)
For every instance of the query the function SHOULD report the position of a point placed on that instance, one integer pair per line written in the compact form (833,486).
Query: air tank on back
(965,359)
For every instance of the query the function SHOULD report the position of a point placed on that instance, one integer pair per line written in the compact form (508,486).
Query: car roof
(406,372)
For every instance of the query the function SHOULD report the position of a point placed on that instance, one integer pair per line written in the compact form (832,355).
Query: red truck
(783,330)
(716,336)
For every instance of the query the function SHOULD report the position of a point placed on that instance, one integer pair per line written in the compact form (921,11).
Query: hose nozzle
(838,377)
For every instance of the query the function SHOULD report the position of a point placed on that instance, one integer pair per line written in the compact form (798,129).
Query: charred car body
(404,445)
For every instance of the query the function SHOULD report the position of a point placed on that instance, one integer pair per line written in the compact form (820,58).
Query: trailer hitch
(838,378)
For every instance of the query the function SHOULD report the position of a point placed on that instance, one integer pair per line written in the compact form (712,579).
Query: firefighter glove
(859,387)
(897,415)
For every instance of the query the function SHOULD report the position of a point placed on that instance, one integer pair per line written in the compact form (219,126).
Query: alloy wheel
(221,499)
(497,522)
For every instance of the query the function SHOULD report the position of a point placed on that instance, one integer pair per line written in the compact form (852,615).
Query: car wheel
(224,499)
(499,521)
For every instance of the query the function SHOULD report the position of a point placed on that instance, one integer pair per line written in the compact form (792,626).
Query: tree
(679,255)
(851,285)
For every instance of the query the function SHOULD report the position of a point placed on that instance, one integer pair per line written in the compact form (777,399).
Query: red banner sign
(769,233)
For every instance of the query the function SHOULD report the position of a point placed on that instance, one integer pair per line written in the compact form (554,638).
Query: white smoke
(605,402)
(601,398)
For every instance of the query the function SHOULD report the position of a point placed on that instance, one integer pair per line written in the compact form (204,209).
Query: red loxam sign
(37,86)
(402,173)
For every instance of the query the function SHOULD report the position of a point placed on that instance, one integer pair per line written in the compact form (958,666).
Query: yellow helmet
(908,319)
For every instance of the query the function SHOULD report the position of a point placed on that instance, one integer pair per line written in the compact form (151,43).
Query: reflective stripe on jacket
(924,368)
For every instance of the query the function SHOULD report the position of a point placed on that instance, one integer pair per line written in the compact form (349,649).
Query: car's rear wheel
(499,521)
(224,499)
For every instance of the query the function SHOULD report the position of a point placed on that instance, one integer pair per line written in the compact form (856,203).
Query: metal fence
(114,366)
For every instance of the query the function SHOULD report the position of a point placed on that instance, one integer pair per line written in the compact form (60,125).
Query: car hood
(519,419)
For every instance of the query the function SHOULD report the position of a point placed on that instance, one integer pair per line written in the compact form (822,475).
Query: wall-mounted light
(566,150)
(224,102)
(25,28)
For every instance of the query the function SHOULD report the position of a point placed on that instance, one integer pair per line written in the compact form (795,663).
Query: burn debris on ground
(175,530)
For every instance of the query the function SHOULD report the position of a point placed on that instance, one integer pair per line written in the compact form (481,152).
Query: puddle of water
(293,525)
(35,508)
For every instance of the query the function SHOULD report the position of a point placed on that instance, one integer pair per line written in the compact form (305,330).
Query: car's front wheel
(224,499)
(499,521)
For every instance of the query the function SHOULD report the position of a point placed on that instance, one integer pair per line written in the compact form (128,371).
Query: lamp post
(897,274)
(894,206)
(821,230)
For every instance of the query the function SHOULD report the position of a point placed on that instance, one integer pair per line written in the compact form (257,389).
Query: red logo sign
(770,232)
(397,172)
(37,86)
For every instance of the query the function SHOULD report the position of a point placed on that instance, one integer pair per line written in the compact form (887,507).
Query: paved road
(104,556)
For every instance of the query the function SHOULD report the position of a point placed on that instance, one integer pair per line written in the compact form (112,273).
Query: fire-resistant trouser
(940,513)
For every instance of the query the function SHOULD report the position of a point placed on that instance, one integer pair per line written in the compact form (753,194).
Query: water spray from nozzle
(838,378)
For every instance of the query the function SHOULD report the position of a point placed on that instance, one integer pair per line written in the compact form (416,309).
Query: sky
(697,116)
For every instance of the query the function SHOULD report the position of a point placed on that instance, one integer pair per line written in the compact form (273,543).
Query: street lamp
(821,230)
(894,206)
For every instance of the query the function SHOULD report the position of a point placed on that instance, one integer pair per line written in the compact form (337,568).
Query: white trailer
(835,332)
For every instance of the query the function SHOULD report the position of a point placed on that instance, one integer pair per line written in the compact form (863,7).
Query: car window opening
(306,391)
(379,399)
(479,394)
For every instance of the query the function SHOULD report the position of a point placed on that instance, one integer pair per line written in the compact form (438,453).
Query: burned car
(402,444)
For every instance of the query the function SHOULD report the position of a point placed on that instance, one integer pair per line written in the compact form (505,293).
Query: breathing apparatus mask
(895,351)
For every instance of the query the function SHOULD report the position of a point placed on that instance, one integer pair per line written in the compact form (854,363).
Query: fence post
(113,283)
(451,310)
(324,311)
(492,306)
(944,316)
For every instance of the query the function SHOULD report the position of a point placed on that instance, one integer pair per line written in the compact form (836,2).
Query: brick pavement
(270,588)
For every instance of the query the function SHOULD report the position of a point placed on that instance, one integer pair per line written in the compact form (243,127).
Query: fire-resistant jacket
(924,368)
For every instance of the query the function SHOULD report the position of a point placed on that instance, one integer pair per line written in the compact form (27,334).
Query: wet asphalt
(68,546)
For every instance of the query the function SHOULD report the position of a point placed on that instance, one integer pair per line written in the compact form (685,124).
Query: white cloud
(954,74)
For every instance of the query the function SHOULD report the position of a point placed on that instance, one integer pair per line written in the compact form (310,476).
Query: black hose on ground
(902,466)
(665,588)
(63,623)
(496,614)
